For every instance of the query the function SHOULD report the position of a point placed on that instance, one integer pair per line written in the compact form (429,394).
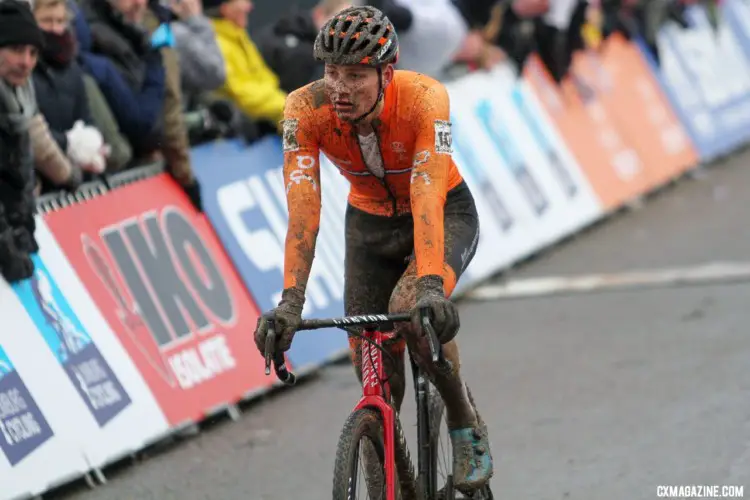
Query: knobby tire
(363,423)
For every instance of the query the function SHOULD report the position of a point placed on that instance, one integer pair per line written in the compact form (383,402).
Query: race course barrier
(139,318)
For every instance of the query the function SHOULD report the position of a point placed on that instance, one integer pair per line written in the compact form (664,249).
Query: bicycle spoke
(444,455)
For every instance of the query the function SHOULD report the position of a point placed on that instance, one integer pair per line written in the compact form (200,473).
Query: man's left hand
(442,312)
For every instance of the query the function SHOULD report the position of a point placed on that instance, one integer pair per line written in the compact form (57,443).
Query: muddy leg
(459,410)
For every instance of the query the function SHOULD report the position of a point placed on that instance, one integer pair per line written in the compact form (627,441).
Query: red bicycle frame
(376,393)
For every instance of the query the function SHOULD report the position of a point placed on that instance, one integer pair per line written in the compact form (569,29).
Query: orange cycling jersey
(414,138)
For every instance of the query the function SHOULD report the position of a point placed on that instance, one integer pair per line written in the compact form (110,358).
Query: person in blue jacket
(127,46)
(137,111)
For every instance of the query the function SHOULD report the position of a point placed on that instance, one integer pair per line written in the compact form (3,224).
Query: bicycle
(375,419)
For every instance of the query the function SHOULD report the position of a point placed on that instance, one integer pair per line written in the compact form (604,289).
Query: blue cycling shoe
(472,460)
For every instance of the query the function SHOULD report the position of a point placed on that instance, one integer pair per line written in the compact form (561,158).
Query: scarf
(59,49)
(17,107)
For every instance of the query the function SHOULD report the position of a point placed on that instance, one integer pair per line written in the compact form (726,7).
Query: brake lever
(436,348)
(270,345)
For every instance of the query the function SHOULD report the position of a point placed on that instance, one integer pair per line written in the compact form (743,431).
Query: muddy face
(352,90)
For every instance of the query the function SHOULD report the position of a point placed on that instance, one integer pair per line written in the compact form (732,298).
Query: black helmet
(357,35)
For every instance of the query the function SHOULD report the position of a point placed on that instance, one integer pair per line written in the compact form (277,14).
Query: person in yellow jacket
(250,84)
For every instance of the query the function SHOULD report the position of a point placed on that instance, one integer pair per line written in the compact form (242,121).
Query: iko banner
(156,272)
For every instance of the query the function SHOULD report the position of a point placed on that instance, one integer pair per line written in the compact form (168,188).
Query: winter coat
(137,111)
(61,97)
(250,83)
(174,142)
(201,63)
(17,204)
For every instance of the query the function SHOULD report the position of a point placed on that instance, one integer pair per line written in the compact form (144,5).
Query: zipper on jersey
(382,158)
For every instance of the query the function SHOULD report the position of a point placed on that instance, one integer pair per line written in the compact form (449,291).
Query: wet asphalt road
(587,397)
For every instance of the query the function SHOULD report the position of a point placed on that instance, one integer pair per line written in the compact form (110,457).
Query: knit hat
(18,26)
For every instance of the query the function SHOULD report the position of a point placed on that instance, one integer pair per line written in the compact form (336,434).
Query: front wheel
(360,458)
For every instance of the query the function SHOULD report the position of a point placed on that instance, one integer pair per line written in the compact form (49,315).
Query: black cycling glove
(442,312)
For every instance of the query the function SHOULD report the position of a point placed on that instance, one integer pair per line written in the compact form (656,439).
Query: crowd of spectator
(94,87)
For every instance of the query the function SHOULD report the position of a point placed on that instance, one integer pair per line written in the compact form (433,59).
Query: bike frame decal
(376,396)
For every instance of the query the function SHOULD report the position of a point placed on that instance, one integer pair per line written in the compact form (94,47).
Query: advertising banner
(244,197)
(154,269)
(87,370)
(37,433)
(643,114)
(23,428)
(105,380)
(736,13)
(571,199)
(707,76)
(504,232)
(528,188)
(611,164)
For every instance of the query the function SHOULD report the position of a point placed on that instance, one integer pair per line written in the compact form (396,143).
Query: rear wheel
(359,472)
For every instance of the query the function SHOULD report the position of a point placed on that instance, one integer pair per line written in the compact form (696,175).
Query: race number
(289,135)
(443,137)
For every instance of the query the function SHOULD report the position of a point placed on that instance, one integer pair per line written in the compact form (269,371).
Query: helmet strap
(377,101)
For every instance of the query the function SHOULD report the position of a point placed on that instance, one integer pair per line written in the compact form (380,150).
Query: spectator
(135,36)
(201,61)
(287,45)
(120,152)
(481,18)
(136,109)
(20,41)
(434,36)
(60,90)
(250,83)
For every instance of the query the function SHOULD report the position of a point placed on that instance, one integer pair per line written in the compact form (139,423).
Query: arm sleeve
(429,178)
(135,113)
(303,191)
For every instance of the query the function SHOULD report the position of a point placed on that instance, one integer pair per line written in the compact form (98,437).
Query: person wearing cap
(20,43)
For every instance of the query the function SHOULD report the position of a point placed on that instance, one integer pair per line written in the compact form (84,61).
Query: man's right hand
(286,317)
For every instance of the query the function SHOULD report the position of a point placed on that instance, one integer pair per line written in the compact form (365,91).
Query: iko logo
(165,284)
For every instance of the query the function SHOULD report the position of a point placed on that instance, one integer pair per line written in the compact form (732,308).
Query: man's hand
(287,317)
(443,312)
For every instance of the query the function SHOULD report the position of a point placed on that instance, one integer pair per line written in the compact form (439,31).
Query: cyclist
(411,222)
